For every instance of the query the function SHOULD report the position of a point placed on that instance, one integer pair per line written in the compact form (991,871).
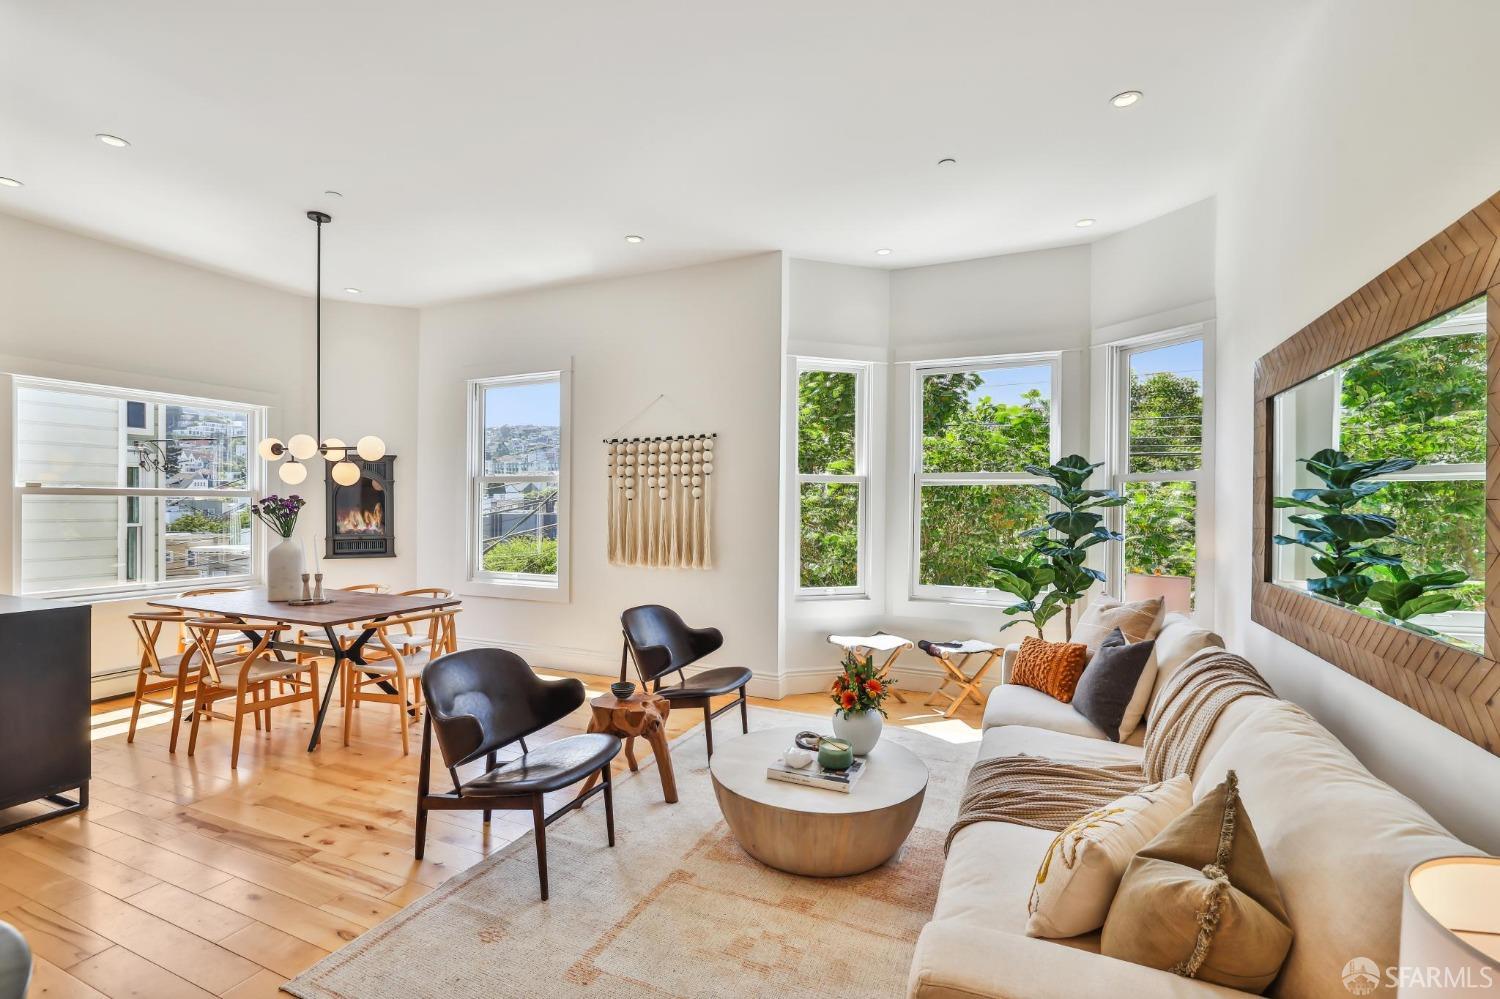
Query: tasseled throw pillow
(1051,667)
(1078,877)
(1199,900)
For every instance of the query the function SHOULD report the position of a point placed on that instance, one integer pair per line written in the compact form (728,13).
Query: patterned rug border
(306,985)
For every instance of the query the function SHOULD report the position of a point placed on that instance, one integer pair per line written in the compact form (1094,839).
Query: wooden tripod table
(645,715)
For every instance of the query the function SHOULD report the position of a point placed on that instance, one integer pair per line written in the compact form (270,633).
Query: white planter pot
(284,571)
(861,729)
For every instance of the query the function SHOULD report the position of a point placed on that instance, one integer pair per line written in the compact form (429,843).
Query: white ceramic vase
(284,571)
(861,729)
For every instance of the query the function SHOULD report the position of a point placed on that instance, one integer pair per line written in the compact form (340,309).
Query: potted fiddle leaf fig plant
(1345,548)
(1054,575)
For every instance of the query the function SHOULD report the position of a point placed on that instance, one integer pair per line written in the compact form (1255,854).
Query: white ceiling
(485,146)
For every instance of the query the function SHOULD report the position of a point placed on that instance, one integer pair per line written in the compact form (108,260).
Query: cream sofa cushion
(1177,642)
(1015,740)
(1082,867)
(1016,704)
(1338,841)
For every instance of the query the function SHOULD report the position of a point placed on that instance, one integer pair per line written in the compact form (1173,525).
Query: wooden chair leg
(489,764)
(349,693)
(708,729)
(744,712)
(135,707)
(199,706)
(609,803)
(539,819)
(421,829)
(239,726)
(179,696)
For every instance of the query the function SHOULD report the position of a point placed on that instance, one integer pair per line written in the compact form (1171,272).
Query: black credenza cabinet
(44,706)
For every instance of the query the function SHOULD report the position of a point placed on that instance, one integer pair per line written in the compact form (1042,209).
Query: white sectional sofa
(1338,841)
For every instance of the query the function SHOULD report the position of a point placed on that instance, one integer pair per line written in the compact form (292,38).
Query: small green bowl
(835,754)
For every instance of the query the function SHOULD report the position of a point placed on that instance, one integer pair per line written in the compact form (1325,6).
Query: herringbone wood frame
(1457,689)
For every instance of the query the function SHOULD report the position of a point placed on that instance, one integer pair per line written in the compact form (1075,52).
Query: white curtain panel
(660,503)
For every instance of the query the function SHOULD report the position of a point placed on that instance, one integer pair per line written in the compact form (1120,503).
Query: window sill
(964,600)
(89,598)
(816,596)
(516,589)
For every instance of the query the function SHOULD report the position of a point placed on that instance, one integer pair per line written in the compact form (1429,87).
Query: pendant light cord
(318,338)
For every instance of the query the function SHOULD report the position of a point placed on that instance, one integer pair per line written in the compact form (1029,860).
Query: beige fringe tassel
(660,504)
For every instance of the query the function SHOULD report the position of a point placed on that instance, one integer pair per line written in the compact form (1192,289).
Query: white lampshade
(370,448)
(267,449)
(346,473)
(335,449)
(292,472)
(1450,928)
(302,446)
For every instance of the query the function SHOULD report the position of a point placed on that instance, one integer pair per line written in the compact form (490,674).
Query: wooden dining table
(347,607)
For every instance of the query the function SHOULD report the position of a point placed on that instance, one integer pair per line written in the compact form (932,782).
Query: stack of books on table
(813,775)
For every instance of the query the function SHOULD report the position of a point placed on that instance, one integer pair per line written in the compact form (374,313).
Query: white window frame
(985,596)
(1202,477)
(518,585)
(254,479)
(862,371)
(1465,625)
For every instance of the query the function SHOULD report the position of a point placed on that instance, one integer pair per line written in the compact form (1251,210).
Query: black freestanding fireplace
(361,517)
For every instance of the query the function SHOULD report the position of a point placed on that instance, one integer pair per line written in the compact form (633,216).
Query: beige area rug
(675,909)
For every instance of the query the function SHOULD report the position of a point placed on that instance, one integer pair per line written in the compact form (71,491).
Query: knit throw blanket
(1051,794)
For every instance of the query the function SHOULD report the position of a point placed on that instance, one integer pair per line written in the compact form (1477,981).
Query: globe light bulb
(346,473)
(370,448)
(293,472)
(269,449)
(302,446)
(335,449)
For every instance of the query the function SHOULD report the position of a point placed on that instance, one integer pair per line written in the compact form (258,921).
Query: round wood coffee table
(810,830)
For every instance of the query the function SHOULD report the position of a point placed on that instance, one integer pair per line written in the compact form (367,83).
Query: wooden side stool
(643,714)
(868,645)
(952,657)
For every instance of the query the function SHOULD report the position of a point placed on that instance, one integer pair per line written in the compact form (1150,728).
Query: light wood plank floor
(184,878)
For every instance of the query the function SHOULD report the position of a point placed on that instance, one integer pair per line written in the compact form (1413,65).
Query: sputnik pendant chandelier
(300,448)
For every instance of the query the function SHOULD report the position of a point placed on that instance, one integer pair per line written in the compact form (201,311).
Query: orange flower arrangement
(859,688)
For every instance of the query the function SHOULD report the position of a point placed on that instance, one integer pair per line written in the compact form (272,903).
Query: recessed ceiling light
(352,291)
(333,194)
(1084,223)
(111,140)
(11,182)
(635,239)
(884,251)
(1126,99)
(947,161)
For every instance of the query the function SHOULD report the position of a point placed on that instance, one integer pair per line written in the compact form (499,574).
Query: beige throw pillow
(1083,867)
(1137,621)
(1199,900)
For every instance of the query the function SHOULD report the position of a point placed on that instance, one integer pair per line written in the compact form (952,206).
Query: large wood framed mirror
(1377,481)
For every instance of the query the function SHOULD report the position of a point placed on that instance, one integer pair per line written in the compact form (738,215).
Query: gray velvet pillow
(1108,683)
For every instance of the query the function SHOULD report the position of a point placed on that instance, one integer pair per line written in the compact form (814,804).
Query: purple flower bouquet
(279,513)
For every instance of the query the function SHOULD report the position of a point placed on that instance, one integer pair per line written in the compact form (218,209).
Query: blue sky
(519,405)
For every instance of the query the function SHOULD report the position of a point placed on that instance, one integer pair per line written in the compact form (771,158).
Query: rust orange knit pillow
(1051,667)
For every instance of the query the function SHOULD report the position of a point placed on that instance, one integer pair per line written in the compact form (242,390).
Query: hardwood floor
(184,878)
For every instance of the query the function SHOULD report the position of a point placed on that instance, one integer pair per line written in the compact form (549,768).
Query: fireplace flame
(362,521)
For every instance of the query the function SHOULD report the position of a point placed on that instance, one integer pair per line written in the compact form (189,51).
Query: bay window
(977,424)
(832,477)
(1159,467)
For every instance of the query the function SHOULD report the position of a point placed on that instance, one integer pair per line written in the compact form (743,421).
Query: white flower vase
(861,729)
(284,571)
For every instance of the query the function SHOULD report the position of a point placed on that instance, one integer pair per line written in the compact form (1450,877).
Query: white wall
(78,308)
(1378,137)
(1154,276)
(710,338)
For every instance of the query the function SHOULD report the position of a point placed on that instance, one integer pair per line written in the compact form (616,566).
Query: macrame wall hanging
(661,500)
